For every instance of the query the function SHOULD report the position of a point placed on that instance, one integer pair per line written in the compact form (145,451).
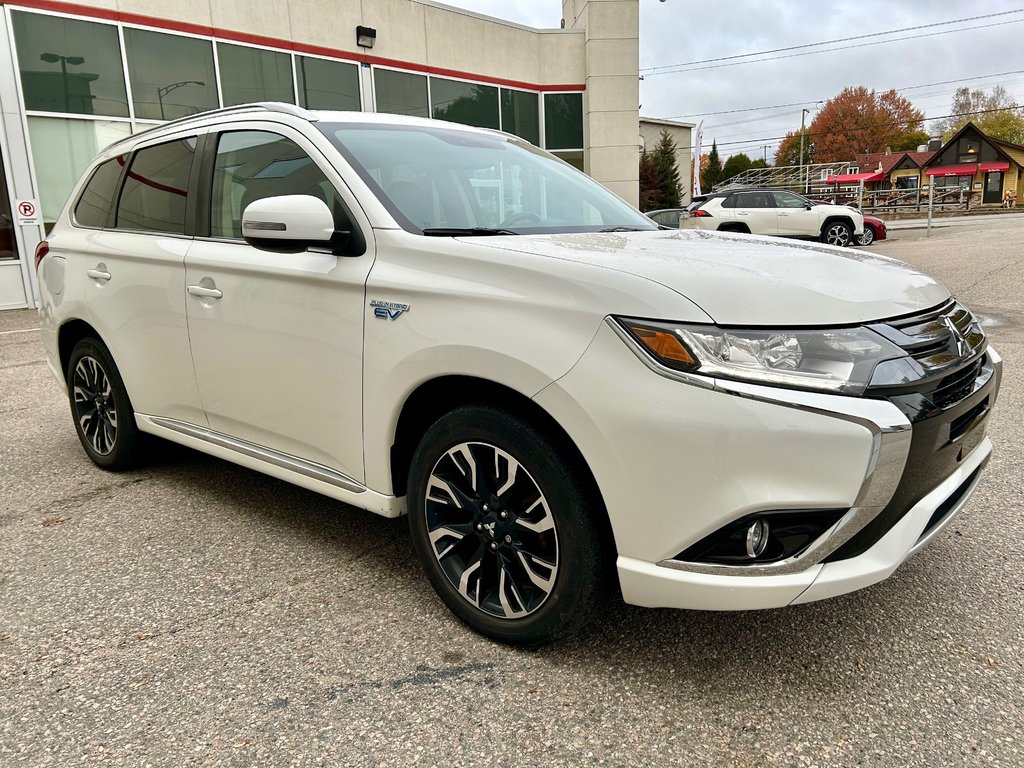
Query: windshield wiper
(456,231)
(623,229)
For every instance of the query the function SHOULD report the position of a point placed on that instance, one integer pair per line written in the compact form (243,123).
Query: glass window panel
(575,159)
(520,114)
(172,76)
(61,151)
(95,200)
(253,74)
(466,103)
(327,84)
(69,65)
(8,240)
(563,120)
(156,190)
(252,165)
(401,93)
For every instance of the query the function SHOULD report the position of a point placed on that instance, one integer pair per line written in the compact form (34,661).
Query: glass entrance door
(8,245)
(993,187)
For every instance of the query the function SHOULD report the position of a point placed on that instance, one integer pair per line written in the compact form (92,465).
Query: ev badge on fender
(388,309)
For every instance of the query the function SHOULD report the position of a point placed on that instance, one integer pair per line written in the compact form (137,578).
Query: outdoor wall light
(366,37)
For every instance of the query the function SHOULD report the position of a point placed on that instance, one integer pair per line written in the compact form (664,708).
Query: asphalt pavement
(195,613)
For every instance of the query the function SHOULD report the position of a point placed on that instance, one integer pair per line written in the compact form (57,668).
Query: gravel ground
(197,613)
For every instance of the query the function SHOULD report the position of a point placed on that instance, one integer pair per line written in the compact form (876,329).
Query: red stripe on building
(230,35)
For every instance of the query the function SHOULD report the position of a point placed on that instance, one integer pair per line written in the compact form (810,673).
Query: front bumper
(675,463)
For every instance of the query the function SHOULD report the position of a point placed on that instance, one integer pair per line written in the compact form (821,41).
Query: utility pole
(803,114)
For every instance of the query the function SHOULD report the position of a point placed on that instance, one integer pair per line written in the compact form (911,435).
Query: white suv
(417,317)
(775,212)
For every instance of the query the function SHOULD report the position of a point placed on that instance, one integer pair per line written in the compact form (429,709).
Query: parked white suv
(417,317)
(775,212)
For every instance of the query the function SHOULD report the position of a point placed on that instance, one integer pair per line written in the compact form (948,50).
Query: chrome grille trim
(939,338)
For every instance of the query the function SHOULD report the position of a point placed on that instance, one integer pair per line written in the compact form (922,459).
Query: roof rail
(256,106)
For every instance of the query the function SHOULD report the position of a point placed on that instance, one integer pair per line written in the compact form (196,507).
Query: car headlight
(839,360)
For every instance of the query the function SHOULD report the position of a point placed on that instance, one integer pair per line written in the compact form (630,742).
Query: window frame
(118,183)
(208,164)
(191,191)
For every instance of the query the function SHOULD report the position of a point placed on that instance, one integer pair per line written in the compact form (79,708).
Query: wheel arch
(434,398)
(68,335)
(734,226)
(835,218)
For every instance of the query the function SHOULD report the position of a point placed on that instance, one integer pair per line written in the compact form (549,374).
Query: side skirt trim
(283,460)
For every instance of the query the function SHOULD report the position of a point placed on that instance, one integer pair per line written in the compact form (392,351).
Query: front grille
(938,338)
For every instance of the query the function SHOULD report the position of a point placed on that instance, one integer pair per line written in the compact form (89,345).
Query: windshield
(444,181)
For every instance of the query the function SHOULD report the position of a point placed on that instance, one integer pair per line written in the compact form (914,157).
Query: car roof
(290,113)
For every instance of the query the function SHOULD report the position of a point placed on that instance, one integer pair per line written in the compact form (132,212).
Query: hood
(745,280)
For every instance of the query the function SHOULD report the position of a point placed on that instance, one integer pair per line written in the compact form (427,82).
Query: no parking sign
(27,212)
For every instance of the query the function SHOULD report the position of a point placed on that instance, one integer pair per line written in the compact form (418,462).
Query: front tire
(868,237)
(103,413)
(506,528)
(837,233)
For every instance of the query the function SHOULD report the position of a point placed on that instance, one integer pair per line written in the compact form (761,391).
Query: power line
(835,50)
(837,40)
(818,101)
(809,134)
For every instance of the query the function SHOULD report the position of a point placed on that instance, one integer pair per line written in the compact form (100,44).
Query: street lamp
(53,58)
(161,92)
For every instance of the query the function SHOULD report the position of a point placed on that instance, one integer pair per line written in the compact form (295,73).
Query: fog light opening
(757,538)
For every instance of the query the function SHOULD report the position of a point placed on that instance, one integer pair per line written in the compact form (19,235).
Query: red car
(874,229)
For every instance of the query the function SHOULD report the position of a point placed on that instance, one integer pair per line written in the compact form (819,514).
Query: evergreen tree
(713,173)
(649,192)
(663,159)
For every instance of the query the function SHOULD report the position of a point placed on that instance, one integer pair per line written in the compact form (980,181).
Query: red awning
(853,178)
(999,165)
(967,169)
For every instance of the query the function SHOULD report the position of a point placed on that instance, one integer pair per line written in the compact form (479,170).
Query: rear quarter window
(97,197)
(156,189)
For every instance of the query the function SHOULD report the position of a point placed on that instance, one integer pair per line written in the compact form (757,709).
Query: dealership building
(75,77)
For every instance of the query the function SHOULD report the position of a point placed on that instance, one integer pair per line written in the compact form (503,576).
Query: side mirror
(808,206)
(290,224)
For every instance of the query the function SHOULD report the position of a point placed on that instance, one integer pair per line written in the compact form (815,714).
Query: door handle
(206,293)
(783,214)
(98,274)
(742,213)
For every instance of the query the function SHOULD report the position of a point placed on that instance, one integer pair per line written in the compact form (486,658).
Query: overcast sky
(679,31)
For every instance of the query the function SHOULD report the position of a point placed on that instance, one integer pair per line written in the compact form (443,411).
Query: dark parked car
(667,217)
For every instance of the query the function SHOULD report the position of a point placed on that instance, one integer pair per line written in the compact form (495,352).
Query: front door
(796,218)
(277,337)
(993,187)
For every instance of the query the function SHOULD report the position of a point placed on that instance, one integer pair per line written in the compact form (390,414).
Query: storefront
(76,78)
(978,169)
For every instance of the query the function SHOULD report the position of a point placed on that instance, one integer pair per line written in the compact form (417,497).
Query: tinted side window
(789,200)
(754,200)
(97,197)
(156,190)
(730,201)
(251,165)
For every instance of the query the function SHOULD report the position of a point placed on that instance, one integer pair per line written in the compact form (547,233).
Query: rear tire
(103,413)
(505,527)
(837,233)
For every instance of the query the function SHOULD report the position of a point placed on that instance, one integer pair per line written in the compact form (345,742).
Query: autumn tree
(712,174)
(995,113)
(788,152)
(854,121)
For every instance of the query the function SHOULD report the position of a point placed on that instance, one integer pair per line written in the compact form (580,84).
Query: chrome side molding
(253,451)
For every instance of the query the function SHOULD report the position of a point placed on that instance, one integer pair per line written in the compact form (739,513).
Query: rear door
(756,209)
(132,275)
(795,220)
(277,337)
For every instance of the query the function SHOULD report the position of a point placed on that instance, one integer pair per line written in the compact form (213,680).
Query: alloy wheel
(868,237)
(838,234)
(491,530)
(94,405)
